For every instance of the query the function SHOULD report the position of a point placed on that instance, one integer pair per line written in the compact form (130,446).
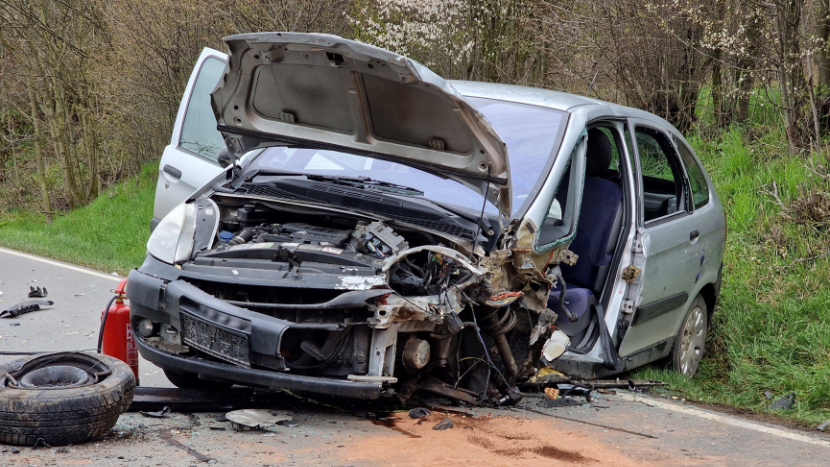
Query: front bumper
(260,378)
(158,293)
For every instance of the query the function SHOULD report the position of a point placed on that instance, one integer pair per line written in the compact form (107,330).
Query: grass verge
(109,234)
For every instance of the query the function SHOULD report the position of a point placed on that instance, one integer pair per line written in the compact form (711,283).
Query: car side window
(663,181)
(700,190)
(199,133)
(559,225)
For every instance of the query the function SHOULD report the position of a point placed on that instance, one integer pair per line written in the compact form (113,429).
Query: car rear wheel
(690,342)
(185,380)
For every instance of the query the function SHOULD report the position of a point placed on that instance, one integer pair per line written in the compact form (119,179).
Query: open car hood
(319,90)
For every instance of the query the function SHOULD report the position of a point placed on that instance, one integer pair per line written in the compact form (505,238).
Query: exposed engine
(372,302)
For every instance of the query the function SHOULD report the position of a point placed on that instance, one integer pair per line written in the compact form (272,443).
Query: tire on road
(62,398)
(689,345)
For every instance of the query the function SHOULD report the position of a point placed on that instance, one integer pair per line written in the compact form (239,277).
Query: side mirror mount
(224,157)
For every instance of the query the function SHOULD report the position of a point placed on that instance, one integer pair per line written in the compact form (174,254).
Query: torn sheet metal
(360,282)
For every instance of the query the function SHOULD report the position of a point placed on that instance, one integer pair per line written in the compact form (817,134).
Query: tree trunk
(41,166)
(717,88)
(822,33)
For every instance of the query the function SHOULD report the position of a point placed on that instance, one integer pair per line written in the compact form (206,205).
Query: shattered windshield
(531,134)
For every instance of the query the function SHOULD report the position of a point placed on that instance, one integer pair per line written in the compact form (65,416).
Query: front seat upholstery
(599,219)
(596,237)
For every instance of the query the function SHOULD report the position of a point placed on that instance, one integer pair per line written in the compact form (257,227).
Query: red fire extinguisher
(116,338)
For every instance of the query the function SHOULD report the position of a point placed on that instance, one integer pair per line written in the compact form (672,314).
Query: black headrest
(599,154)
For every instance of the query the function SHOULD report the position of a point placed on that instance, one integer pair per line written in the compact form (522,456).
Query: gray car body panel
(341,94)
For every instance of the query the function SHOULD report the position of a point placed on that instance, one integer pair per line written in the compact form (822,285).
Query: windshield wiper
(379,185)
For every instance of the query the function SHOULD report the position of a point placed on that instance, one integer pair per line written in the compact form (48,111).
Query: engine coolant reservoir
(555,345)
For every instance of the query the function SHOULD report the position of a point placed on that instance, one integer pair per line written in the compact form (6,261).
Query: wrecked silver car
(379,231)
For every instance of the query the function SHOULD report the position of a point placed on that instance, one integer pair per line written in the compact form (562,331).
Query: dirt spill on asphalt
(493,441)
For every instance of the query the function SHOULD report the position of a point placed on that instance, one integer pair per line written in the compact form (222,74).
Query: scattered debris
(160,414)
(419,412)
(37,292)
(823,426)
(41,442)
(563,402)
(255,419)
(27,306)
(768,394)
(630,384)
(63,450)
(15,451)
(552,393)
(784,403)
(79,294)
(217,428)
(220,418)
(14,324)
(444,424)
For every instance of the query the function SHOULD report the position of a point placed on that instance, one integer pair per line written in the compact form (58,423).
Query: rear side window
(700,190)
(199,133)
(664,191)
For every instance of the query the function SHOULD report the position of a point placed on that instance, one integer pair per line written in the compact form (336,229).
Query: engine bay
(377,301)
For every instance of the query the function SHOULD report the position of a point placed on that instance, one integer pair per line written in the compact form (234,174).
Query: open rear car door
(190,160)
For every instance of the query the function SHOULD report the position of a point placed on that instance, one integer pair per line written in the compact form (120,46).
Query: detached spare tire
(62,398)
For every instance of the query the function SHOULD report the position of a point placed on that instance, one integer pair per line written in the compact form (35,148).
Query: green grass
(110,234)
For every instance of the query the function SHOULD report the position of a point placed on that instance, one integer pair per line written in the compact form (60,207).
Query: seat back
(596,234)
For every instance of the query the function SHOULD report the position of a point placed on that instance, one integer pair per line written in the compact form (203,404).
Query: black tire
(185,380)
(62,416)
(690,342)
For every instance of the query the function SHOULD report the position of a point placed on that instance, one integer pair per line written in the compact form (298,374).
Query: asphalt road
(619,429)
(80,296)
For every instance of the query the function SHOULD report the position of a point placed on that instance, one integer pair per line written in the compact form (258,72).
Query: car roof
(556,100)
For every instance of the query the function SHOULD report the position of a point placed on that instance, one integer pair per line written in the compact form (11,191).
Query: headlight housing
(172,240)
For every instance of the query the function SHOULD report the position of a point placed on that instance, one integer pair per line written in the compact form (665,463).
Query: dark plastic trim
(261,378)
(659,307)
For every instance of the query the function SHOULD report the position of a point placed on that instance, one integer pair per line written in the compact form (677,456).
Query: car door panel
(670,272)
(189,161)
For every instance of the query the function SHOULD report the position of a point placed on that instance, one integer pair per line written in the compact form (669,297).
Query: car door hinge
(627,307)
(637,246)
(631,273)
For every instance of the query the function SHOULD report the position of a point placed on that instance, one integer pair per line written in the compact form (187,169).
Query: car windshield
(530,132)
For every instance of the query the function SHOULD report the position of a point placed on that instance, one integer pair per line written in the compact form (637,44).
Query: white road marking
(728,420)
(61,264)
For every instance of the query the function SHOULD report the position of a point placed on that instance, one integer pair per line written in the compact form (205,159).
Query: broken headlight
(172,241)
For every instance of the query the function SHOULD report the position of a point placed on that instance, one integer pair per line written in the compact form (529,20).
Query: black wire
(104,323)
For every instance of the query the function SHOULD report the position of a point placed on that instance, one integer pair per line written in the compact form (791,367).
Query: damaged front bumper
(195,330)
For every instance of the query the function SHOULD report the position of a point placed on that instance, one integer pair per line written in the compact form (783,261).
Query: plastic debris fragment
(419,412)
(444,424)
(784,403)
(255,419)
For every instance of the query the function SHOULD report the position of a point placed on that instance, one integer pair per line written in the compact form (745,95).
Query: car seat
(597,230)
